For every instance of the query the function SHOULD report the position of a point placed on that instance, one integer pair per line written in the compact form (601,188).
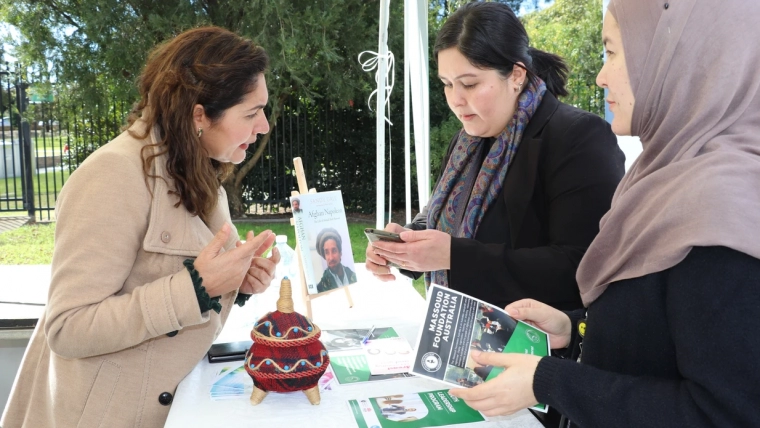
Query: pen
(369,334)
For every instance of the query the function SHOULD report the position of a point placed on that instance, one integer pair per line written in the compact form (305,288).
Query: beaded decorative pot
(287,354)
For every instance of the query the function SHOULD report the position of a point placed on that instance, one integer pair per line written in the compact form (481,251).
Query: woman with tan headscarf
(672,282)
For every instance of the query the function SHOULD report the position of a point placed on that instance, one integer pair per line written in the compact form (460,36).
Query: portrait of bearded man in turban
(329,246)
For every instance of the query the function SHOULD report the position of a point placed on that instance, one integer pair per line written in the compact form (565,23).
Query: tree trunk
(234,185)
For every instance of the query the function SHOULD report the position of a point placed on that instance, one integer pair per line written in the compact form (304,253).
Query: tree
(444,8)
(99,46)
(572,29)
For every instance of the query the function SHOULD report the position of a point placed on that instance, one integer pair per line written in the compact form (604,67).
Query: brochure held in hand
(455,324)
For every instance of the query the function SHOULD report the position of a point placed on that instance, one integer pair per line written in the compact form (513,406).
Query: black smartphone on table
(375,235)
(231,351)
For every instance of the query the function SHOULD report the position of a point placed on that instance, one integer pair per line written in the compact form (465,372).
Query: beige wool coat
(122,325)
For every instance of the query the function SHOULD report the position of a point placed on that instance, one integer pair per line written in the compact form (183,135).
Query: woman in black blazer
(524,183)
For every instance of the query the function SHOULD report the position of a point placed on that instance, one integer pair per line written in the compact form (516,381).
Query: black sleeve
(573,350)
(712,301)
(579,174)
(419,222)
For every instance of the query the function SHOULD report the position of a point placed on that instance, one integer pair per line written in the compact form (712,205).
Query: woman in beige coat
(147,263)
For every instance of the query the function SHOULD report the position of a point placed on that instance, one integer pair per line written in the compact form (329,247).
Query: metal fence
(337,146)
(43,141)
(44,138)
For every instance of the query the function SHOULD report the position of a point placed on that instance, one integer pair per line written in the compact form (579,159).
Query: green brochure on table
(456,324)
(353,367)
(347,359)
(422,409)
(351,338)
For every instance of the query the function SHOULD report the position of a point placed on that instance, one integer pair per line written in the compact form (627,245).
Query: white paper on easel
(323,241)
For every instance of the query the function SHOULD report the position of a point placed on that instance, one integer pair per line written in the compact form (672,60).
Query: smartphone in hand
(375,235)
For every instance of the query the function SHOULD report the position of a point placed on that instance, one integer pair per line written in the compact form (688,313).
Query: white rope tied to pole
(373,63)
(381,60)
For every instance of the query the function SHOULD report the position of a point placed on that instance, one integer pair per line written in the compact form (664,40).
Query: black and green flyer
(456,324)
(423,409)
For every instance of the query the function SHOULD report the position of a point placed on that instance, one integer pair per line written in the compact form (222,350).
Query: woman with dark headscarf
(524,182)
(672,282)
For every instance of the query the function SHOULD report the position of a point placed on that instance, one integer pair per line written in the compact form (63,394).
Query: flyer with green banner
(353,367)
(351,338)
(348,361)
(455,324)
(415,410)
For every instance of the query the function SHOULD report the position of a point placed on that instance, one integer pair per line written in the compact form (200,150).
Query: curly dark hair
(209,66)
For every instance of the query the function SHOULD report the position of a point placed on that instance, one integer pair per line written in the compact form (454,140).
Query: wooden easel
(307,298)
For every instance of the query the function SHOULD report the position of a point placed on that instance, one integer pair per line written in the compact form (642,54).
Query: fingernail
(475,353)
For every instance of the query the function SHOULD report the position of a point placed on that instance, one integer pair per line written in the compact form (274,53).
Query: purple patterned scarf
(456,210)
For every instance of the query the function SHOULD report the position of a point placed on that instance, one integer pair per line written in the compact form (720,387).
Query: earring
(519,87)
(200,132)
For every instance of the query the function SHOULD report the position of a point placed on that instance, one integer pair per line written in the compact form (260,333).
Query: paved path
(11,223)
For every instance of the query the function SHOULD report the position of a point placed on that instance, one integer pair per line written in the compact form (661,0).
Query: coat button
(166,237)
(165,398)
(172,333)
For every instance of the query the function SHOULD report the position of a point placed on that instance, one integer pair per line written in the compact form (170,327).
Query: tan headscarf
(695,73)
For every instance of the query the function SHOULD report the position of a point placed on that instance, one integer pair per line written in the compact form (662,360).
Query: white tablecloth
(395,305)
(23,294)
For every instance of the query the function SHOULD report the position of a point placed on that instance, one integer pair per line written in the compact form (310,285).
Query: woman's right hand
(223,271)
(378,265)
(545,317)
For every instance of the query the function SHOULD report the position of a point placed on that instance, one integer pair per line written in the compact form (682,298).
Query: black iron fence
(337,146)
(45,136)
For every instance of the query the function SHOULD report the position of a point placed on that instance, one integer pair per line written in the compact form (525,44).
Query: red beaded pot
(286,354)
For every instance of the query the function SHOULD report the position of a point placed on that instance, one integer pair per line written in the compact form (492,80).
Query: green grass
(33,244)
(27,245)
(46,182)
(50,145)
(47,145)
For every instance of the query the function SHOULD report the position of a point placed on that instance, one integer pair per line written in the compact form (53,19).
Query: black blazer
(530,242)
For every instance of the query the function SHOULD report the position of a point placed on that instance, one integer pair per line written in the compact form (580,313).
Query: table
(23,294)
(394,304)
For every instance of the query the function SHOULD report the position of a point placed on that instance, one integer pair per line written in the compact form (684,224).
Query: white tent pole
(420,97)
(382,54)
(407,137)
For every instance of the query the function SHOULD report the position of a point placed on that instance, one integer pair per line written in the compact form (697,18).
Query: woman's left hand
(422,250)
(510,391)
(261,272)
